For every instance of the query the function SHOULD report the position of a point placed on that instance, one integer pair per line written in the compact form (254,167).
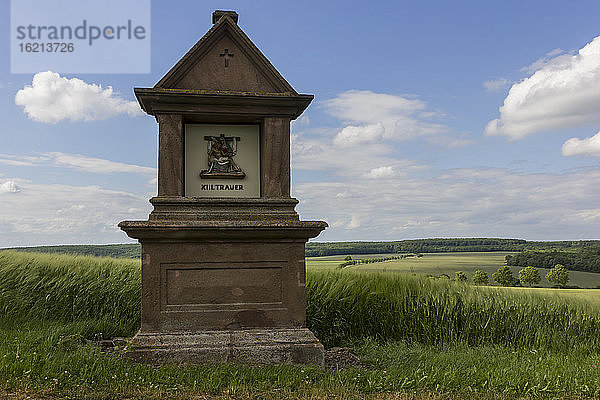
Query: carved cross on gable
(226,54)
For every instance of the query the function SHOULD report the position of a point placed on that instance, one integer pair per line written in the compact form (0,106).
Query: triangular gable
(225,59)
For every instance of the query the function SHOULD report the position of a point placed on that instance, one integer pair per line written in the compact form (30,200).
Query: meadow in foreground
(415,335)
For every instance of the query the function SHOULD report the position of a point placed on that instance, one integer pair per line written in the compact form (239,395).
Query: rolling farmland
(447,263)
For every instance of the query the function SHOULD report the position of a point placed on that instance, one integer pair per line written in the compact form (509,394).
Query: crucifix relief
(226,54)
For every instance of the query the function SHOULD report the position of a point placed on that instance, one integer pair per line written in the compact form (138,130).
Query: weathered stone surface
(170,155)
(251,346)
(275,156)
(217,14)
(260,230)
(175,267)
(209,106)
(173,208)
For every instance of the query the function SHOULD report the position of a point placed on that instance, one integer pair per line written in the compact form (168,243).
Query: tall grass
(70,289)
(342,306)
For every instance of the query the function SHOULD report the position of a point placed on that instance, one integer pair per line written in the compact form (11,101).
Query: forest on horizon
(317,249)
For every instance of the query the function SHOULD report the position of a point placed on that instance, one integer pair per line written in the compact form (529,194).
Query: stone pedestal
(224,280)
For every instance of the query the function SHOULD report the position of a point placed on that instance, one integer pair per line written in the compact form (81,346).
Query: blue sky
(430,119)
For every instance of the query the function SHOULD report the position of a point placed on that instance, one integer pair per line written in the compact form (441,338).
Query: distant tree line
(558,276)
(130,250)
(349,261)
(581,259)
(315,249)
(530,276)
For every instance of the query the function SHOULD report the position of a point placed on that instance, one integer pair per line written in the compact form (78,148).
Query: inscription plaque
(222,160)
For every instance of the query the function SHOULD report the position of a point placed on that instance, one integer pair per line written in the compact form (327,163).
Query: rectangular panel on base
(187,285)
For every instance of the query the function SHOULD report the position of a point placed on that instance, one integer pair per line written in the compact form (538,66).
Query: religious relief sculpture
(221,150)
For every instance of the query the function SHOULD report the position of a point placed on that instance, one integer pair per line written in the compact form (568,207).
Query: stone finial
(220,13)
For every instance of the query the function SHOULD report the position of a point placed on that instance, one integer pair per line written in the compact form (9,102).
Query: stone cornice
(205,102)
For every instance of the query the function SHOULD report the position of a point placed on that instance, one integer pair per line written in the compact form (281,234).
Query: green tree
(529,276)
(480,277)
(348,258)
(460,276)
(504,276)
(559,275)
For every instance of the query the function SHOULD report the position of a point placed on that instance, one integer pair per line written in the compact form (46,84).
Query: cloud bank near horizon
(366,190)
(38,214)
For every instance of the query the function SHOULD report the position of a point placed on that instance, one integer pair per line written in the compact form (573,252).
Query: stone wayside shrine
(223,272)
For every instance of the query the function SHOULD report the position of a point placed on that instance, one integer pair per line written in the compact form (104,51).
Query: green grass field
(448,263)
(420,338)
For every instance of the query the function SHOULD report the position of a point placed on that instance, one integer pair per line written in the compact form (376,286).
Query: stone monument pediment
(225,60)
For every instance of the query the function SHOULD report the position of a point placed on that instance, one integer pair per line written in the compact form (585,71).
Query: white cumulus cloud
(352,135)
(9,187)
(564,92)
(589,146)
(381,172)
(373,117)
(51,98)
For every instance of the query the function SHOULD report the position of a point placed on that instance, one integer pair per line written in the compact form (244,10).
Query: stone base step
(246,346)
